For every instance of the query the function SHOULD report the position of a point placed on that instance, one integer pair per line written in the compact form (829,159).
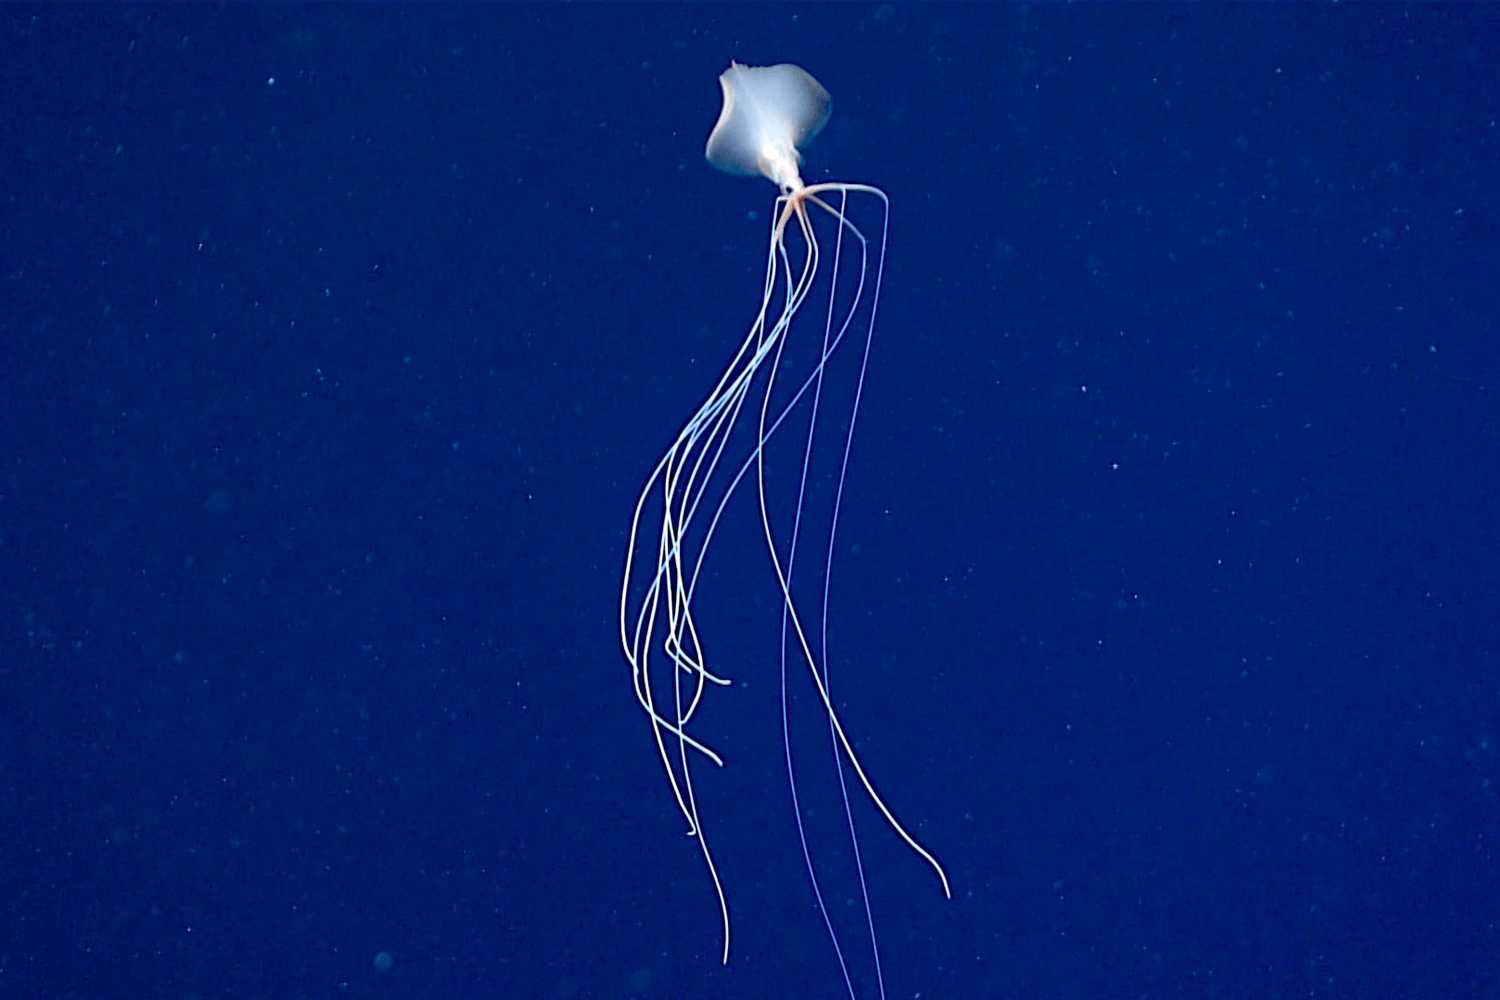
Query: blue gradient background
(337,341)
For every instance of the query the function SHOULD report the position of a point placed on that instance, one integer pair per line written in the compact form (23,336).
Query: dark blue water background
(336,342)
